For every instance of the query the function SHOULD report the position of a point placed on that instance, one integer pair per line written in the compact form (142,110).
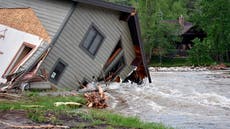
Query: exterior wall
(11,44)
(80,65)
(50,12)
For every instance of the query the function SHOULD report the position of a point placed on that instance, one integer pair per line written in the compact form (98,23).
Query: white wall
(11,44)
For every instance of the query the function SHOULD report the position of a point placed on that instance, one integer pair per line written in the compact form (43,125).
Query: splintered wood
(23,19)
(96,99)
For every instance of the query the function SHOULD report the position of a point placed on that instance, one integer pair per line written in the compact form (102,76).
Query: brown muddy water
(183,100)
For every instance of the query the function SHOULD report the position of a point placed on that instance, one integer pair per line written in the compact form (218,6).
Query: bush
(200,53)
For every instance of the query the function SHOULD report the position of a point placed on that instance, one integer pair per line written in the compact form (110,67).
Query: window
(92,40)
(57,71)
(23,53)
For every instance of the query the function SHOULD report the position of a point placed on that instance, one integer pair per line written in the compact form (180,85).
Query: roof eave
(107,5)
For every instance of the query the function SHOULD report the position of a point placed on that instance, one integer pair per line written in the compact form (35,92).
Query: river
(183,100)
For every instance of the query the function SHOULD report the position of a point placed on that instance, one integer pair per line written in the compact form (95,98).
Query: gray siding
(50,12)
(81,65)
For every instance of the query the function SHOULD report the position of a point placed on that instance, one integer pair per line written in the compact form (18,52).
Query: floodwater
(183,100)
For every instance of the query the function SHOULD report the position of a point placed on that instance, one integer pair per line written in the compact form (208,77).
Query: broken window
(115,63)
(92,40)
(57,71)
(114,69)
(118,66)
(114,54)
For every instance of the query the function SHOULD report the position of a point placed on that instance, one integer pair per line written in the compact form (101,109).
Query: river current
(183,100)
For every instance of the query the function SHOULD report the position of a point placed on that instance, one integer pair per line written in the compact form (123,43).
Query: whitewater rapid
(187,100)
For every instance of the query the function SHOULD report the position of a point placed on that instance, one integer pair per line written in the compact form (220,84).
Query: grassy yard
(41,109)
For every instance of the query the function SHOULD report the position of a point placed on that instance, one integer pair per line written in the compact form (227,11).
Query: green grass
(177,62)
(227,64)
(41,109)
(118,120)
(32,100)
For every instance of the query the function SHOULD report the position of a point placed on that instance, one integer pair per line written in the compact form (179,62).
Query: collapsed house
(75,41)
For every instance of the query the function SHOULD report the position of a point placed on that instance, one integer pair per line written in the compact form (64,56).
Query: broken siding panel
(125,71)
(50,12)
(80,65)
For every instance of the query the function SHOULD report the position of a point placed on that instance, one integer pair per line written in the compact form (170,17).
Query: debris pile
(218,67)
(24,81)
(96,99)
(6,96)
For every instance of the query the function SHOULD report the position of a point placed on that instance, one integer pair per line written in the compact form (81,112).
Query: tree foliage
(158,35)
(213,16)
(199,55)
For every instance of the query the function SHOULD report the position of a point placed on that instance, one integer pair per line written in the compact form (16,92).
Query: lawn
(41,110)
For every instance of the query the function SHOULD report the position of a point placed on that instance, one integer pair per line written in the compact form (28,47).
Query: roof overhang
(107,5)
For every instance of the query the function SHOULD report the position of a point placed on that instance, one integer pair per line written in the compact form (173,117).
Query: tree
(156,34)
(213,16)
(200,53)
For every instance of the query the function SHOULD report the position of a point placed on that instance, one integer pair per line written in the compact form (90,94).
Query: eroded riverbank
(190,100)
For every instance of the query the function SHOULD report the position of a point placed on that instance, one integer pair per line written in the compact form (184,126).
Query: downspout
(61,28)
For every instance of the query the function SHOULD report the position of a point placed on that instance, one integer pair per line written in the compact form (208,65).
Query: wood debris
(70,104)
(96,99)
(9,96)
(218,67)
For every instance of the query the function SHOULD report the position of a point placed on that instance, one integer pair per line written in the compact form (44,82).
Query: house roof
(133,23)
(55,24)
(51,13)
(187,25)
(108,5)
(23,19)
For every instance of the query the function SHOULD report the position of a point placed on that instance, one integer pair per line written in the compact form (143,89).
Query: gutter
(107,5)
